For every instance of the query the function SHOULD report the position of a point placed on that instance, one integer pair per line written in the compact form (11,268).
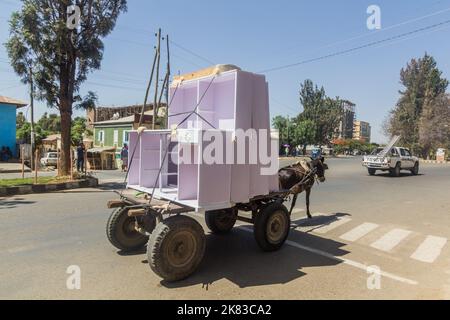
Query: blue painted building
(8,108)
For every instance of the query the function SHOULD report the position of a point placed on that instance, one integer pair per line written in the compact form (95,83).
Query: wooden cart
(176,242)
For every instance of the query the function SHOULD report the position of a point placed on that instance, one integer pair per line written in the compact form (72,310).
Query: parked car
(394,160)
(50,159)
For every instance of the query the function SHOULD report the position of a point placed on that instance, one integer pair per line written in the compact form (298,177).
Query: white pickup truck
(392,160)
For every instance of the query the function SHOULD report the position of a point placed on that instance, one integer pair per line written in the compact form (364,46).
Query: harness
(307,175)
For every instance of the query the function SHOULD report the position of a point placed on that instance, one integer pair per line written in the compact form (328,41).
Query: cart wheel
(221,221)
(121,232)
(176,248)
(271,227)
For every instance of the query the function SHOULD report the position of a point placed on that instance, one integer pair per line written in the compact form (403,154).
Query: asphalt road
(398,226)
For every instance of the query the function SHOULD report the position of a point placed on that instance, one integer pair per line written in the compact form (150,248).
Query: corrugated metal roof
(11,101)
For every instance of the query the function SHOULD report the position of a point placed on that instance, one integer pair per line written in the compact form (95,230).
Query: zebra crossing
(428,251)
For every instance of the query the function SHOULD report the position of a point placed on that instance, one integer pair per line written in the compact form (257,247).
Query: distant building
(345,128)
(110,136)
(8,110)
(361,131)
(101,114)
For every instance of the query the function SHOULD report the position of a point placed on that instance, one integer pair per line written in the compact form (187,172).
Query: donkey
(300,177)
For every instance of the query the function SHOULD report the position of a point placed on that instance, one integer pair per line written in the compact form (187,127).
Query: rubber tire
(118,239)
(260,226)
(220,227)
(415,170)
(372,172)
(396,171)
(160,239)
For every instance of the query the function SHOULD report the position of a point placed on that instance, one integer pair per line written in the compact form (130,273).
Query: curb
(14,171)
(44,188)
(434,161)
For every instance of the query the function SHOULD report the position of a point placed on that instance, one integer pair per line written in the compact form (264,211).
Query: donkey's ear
(322,159)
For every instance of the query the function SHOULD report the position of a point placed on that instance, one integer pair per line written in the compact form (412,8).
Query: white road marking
(343,260)
(328,227)
(359,232)
(349,262)
(429,249)
(390,240)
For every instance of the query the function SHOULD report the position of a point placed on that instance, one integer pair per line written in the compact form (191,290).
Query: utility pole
(33,137)
(155,101)
(168,82)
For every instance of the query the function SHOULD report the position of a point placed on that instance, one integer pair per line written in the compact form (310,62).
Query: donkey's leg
(308,192)
(294,200)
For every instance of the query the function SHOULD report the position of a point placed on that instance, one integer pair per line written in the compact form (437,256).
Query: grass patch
(30,181)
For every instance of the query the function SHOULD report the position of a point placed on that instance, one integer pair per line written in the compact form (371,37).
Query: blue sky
(258,35)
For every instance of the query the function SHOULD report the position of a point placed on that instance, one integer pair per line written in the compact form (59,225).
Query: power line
(191,52)
(365,35)
(342,52)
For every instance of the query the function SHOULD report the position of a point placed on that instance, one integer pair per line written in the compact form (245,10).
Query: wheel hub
(181,249)
(276,227)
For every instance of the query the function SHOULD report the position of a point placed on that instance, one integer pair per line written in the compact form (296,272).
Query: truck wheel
(415,170)
(271,227)
(176,248)
(396,171)
(121,232)
(221,221)
(372,171)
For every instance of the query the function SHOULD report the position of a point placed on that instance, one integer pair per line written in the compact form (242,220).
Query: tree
(50,123)
(20,120)
(24,133)
(61,57)
(423,84)
(434,125)
(282,125)
(304,133)
(323,111)
(79,130)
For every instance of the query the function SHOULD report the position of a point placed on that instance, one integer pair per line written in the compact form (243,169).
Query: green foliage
(323,111)
(24,133)
(50,123)
(424,85)
(20,120)
(350,146)
(61,58)
(79,130)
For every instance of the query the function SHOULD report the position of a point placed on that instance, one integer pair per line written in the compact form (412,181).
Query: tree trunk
(66,121)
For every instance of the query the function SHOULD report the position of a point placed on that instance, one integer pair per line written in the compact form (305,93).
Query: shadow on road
(318,220)
(10,203)
(237,258)
(402,175)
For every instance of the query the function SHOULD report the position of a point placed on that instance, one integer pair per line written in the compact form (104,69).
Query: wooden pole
(71,164)
(84,164)
(36,166)
(155,101)
(57,158)
(22,152)
(33,136)
(168,82)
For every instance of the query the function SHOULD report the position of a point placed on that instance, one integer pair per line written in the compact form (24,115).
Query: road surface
(398,227)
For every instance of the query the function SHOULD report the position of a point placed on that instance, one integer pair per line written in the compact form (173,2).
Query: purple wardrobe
(231,100)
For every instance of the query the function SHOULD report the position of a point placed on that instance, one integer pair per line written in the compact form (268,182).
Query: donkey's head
(320,166)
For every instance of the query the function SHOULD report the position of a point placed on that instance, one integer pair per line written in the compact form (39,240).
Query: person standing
(80,157)
(124,157)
